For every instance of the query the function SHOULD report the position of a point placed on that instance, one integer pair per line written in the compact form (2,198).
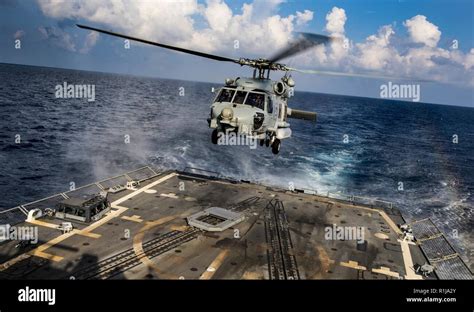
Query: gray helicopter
(256,107)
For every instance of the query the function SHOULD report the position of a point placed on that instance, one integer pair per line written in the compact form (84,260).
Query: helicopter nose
(227,113)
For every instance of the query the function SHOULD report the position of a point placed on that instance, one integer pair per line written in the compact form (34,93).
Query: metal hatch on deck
(215,219)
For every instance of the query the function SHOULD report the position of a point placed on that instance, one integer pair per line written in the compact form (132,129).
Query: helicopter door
(269,105)
(280,111)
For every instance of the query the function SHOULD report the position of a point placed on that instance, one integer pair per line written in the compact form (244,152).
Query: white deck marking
(121,200)
(170,195)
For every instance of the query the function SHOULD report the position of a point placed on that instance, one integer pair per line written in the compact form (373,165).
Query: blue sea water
(73,140)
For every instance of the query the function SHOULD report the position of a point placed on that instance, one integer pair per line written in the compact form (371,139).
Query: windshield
(225,95)
(240,97)
(256,100)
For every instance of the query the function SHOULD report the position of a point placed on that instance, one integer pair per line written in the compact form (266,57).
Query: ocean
(402,152)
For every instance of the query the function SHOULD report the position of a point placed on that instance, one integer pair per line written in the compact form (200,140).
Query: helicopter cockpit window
(256,100)
(240,97)
(225,95)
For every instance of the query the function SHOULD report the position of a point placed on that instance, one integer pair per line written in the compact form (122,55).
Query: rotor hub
(262,64)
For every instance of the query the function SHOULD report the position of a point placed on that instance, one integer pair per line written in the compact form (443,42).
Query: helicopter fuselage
(250,107)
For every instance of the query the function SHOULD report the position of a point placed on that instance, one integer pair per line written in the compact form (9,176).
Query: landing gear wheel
(276,146)
(214,136)
(262,142)
(267,142)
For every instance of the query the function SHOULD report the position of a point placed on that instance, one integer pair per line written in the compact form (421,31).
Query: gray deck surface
(282,237)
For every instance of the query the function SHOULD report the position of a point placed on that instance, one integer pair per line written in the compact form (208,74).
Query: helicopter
(255,107)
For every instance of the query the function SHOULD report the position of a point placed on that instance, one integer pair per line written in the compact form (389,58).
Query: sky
(422,40)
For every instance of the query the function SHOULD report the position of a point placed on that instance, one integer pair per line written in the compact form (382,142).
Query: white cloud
(90,42)
(381,54)
(218,15)
(376,53)
(335,24)
(469,60)
(336,19)
(422,31)
(260,31)
(58,37)
(174,22)
(167,19)
(304,17)
(256,34)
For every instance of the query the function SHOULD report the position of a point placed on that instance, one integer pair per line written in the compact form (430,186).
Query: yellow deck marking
(380,212)
(324,258)
(39,251)
(430,237)
(138,245)
(88,234)
(386,271)
(390,222)
(14,261)
(214,266)
(252,276)
(113,214)
(43,223)
(47,256)
(121,209)
(329,201)
(55,226)
(180,228)
(54,241)
(407,259)
(134,218)
(150,224)
(353,265)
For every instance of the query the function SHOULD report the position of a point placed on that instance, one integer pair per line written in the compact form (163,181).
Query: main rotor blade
(331,73)
(197,53)
(305,42)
